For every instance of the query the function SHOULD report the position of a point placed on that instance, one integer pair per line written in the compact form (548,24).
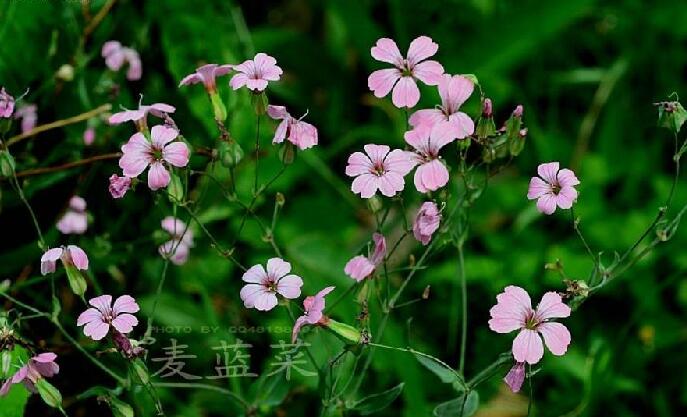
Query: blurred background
(587,73)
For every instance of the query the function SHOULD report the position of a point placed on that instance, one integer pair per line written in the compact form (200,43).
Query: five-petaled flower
(116,55)
(426,222)
(178,247)
(313,307)
(556,187)
(75,219)
(139,115)
(206,75)
(256,73)
(69,255)
(98,319)
(138,153)
(513,311)
(379,170)
(454,90)
(263,286)
(40,366)
(296,131)
(402,78)
(431,174)
(361,267)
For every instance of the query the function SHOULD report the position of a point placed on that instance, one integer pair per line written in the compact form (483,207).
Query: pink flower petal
(401,162)
(277,112)
(176,153)
(359,268)
(255,275)
(548,171)
(102,303)
(528,347)
(386,50)
(256,85)
(136,157)
(538,187)
(96,330)
(431,176)
(377,153)
(162,135)
(566,197)
(379,249)
(429,72)
(381,82)
(158,176)
(290,286)
(297,328)
(454,91)
(556,336)
(277,268)
(551,306)
(124,323)
(250,293)
(49,259)
(420,49)
(238,81)
(91,314)
(515,377)
(358,164)
(190,79)
(125,304)
(390,183)
(405,93)
(462,125)
(78,257)
(511,311)
(280,132)
(366,185)
(547,203)
(426,117)
(265,301)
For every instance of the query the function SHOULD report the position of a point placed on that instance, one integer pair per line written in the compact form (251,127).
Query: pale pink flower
(28,116)
(454,90)
(256,73)
(6,104)
(206,75)
(88,136)
(313,307)
(178,247)
(75,219)
(40,366)
(116,55)
(69,255)
(426,222)
(263,286)
(515,377)
(379,170)
(402,78)
(296,131)
(513,311)
(554,188)
(160,110)
(431,174)
(98,319)
(361,267)
(138,153)
(119,185)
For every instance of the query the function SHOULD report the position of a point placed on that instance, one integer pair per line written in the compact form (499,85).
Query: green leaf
(377,402)
(459,407)
(446,374)
(12,404)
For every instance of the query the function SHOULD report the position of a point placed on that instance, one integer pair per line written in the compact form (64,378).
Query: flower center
(270,285)
(156,153)
(378,169)
(555,188)
(532,322)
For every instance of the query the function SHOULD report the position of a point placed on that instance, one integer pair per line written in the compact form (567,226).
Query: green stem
(464,302)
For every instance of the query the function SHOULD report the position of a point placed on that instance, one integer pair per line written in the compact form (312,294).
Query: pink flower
(513,311)
(88,136)
(296,131)
(379,170)
(40,366)
(262,288)
(426,222)
(75,219)
(256,73)
(428,141)
(69,255)
(454,90)
(361,267)
(160,110)
(28,116)
(98,319)
(206,75)
(117,55)
(515,377)
(313,306)
(6,104)
(402,78)
(554,188)
(138,153)
(178,247)
(119,185)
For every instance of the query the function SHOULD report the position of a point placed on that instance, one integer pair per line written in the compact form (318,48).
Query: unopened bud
(7,164)
(218,107)
(65,72)
(487,110)
(230,153)
(346,332)
(175,189)
(375,204)
(5,362)
(259,101)
(518,111)
(50,395)
(288,153)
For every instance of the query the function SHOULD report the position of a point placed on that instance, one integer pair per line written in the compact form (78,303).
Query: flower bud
(259,101)
(288,153)
(671,115)
(5,362)
(518,111)
(76,281)
(50,395)
(487,110)
(7,164)
(6,104)
(230,153)
(485,125)
(375,204)
(119,186)
(347,333)
(65,72)
(175,189)
(516,141)
(516,146)
(125,347)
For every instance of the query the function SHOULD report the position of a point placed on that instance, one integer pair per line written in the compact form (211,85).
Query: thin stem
(68,165)
(576,227)
(464,302)
(22,197)
(193,385)
(257,155)
(160,285)
(59,123)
